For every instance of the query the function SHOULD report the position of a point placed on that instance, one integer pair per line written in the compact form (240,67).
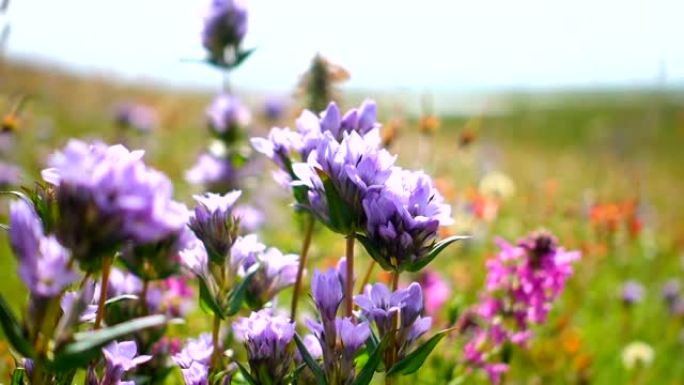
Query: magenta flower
(437,291)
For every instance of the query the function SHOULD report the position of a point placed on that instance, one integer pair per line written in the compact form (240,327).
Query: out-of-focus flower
(106,195)
(403,218)
(632,292)
(10,175)
(276,272)
(225,25)
(437,291)
(196,350)
(497,185)
(637,354)
(138,116)
(214,224)
(274,108)
(268,339)
(226,115)
(251,218)
(43,262)
(121,357)
(214,172)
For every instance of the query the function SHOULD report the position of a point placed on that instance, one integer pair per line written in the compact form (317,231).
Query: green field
(563,151)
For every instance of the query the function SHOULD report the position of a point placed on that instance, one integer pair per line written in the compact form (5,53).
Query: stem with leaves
(308,232)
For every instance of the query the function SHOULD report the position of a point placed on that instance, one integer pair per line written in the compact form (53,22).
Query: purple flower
(671,291)
(403,218)
(277,146)
(196,374)
(214,225)
(352,335)
(121,283)
(397,313)
(212,171)
(352,167)
(195,258)
(197,350)
(120,357)
(226,115)
(276,272)
(274,108)
(326,289)
(245,253)
(10,175)
(632,292)
(251,218)
(225,26)
(268,339)
(106,195)
(138,116)
(43,262)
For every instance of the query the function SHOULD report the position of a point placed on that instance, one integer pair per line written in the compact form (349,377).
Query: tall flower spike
(225,26)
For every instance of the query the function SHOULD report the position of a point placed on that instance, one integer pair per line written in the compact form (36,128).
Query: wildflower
(343,171)
(403,219)
(10,175)
(225,26)
(671,291)
(106,195)
(274,108)
(250,217)
(226,115)
(632,292)
(43,262)
(215,172)
(268,339)
(197,350)
(637,354)
(276,272)
(120,357)
(437,291)
(138,116)
(326,289)
(214,223)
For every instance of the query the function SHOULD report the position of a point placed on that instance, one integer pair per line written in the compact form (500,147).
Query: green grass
(609,146)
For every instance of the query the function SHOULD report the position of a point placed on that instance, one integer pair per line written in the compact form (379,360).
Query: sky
(430,45)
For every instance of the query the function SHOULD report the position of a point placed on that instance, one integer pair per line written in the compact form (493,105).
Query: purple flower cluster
(403,218)
(225,25)
(268,339)
(138,116)
(194,360)
(339,338)
(523,281)
(43,262)
(106,195)
(214,224)
(214,172)
(121,357)
(395,313)
(226,115)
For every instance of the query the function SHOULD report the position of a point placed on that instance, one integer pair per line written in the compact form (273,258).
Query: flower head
(326,289)
(106,195)
(121,357)
(216,173)
(196,350)
(226,115)
(437,291)
(214,224)
(632,292)
(225,25)
(276,272)
(268,339)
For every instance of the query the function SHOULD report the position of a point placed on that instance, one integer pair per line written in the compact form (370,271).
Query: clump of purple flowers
(226,116)
(105,196)
(269,342)
(522,283)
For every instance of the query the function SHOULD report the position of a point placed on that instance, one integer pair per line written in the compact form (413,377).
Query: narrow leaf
(120,298)
(310,362)
(18,376)
(366,375)
(87,344)
(341,219)
(246,375)
(436,249)
(414,360)
(237,295)
(13,331)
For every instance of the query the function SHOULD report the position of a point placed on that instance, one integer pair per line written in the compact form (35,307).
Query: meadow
(601,169)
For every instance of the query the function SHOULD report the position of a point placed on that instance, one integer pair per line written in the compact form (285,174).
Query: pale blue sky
(448,45)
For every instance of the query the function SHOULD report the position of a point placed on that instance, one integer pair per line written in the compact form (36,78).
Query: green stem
(143,298)
(104,286)
(308,232)
(395,280)
(216,355)
(349,284)
(367,276)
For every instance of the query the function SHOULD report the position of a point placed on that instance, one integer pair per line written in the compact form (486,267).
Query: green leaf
(246,375)
(414,360)
(18,376)
(208,300)
(237,295)
(374,253)
(87,345)
(13,331)
(310,362)
(366,374)
(436,249)
(341,219)
(242,56)
(121,298)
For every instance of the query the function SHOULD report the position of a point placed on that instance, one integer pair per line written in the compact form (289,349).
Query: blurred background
(566,115)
